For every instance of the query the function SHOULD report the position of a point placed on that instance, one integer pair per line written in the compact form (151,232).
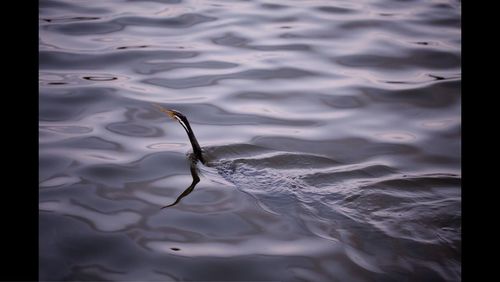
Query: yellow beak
(170,113)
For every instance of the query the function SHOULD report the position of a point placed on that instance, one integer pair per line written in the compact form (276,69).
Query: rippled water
(332,131)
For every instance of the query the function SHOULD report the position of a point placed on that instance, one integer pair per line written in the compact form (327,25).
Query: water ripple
(424,58)
(118,24)
(65,60)
(199,81)
(157,67)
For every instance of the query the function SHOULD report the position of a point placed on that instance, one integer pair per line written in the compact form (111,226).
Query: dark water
(332,131)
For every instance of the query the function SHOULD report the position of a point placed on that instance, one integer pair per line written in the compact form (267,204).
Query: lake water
(332,132)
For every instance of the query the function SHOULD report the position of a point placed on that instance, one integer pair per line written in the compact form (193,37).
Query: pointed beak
(170,113)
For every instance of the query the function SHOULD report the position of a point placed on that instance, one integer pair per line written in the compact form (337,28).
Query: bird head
(173,114)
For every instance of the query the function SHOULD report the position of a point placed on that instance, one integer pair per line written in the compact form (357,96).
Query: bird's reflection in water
(196,179)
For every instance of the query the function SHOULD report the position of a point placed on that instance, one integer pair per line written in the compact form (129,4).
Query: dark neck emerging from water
(196,148)
(194,143)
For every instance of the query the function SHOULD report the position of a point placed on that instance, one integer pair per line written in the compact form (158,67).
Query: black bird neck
(194,143)
(196,147)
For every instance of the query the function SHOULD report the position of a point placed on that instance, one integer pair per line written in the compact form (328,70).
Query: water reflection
(189,189)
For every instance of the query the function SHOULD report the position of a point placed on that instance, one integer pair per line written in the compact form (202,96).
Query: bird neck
(194,143)
(196,147)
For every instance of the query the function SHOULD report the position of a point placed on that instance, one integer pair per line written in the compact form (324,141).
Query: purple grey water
(332,131)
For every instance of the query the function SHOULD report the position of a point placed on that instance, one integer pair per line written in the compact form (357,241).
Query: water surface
(332,131)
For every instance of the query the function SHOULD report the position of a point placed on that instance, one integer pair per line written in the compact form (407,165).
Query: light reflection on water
(331,128)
